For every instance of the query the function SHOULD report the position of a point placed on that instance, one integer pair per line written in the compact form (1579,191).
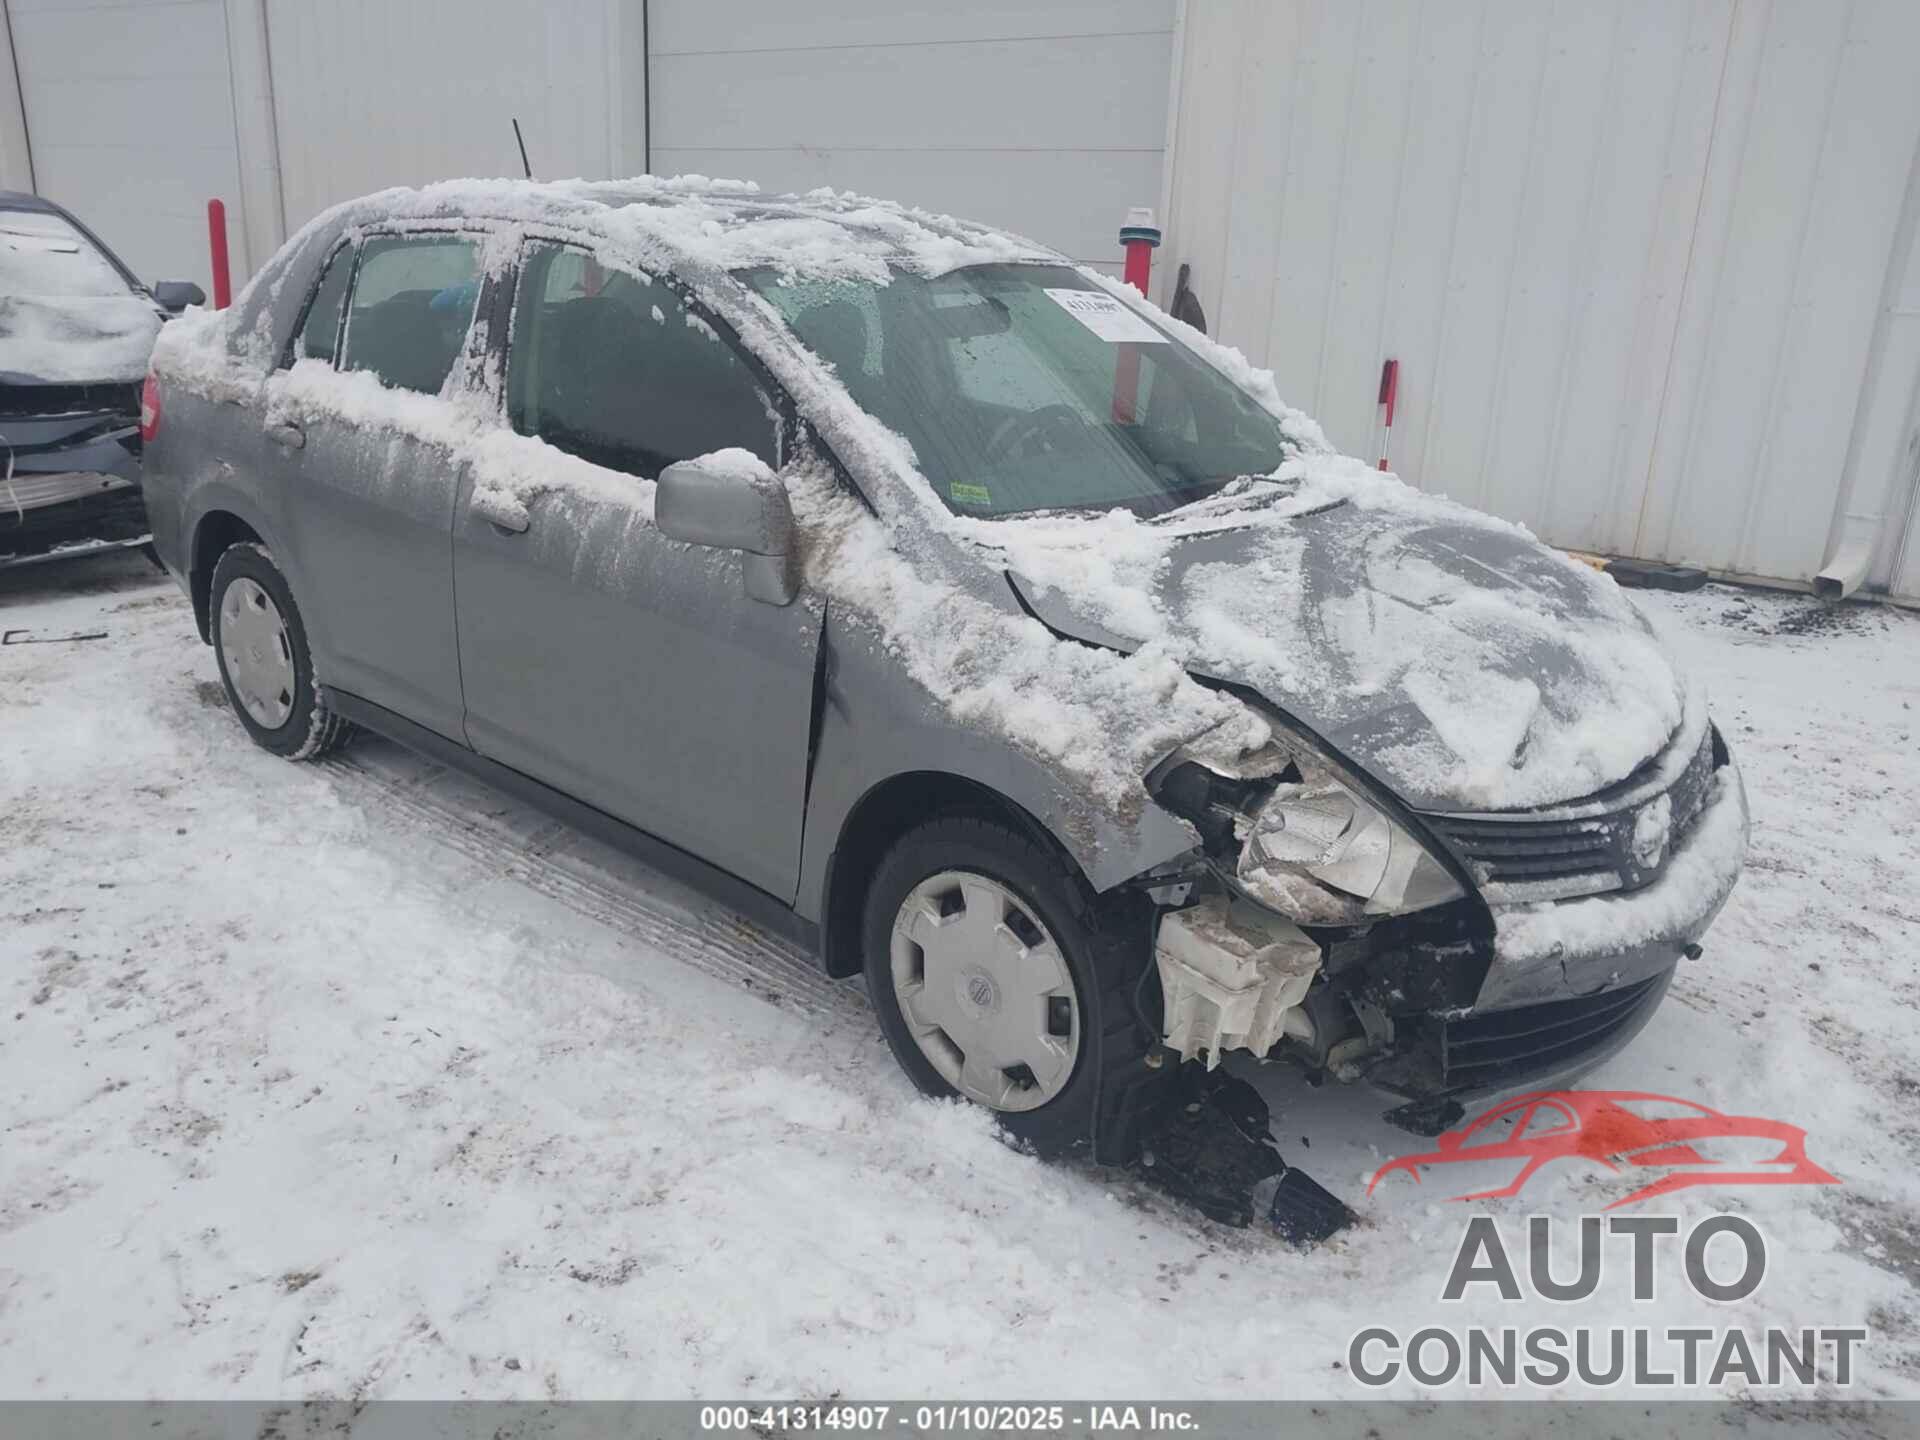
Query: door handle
(289,435)
(515,526)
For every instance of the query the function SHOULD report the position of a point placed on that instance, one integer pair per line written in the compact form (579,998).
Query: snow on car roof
(717,224)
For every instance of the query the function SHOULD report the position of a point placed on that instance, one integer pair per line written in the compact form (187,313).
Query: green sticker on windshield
(970,494)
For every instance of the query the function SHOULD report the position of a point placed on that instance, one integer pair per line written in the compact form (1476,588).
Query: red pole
(1138,238)
(217,244)
(1389,392)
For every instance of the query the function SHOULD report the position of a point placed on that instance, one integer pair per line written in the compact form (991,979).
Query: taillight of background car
(149,409)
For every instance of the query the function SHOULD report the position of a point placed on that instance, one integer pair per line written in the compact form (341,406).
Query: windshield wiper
(1251,498)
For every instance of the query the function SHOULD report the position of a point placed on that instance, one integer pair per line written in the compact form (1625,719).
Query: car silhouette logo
(1619,1130)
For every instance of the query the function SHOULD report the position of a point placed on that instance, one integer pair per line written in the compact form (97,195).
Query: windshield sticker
(970,494)
(1104,315)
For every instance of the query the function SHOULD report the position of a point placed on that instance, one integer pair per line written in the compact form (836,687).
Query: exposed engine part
(1376,1035)
(1232,977)
(1293,831)
(1218,806)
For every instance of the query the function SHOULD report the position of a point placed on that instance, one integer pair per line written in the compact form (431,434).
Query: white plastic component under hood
(1234,978)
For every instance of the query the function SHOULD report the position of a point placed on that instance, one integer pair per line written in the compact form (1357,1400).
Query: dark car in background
(76,328)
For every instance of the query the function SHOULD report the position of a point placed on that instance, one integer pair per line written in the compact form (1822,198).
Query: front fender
(875,724)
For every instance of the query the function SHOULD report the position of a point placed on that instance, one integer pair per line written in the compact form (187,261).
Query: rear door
(626,669)
(371,505)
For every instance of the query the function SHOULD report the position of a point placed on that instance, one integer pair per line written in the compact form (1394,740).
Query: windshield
(1028,387)
(43,256)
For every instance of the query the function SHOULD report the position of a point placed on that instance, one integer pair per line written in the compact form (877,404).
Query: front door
(371,501)
(628,670)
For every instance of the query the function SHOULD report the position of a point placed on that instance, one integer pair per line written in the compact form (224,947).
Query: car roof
(714,224)
(705,231)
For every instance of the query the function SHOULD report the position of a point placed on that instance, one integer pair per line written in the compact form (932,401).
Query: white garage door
(129,113)
(1048,118)
(371,93)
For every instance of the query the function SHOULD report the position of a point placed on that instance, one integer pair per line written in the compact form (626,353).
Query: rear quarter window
(319,335)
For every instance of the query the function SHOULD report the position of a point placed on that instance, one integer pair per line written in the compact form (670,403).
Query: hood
(75,341)
(1454,657)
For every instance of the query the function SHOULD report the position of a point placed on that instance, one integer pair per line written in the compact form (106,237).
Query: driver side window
(614,368)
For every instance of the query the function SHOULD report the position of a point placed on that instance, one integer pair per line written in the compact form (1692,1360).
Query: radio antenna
(521,141)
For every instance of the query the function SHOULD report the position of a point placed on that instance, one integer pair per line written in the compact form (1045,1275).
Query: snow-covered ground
(359,1080)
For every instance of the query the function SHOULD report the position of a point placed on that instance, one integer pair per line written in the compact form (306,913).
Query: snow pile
(76,340)
(67,315)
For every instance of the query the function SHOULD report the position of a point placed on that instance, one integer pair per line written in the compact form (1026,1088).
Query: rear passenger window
(613,368)
(412,302)
(320,334)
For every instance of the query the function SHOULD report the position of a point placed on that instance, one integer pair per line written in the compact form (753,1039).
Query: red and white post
(1389,392)
(1139,238)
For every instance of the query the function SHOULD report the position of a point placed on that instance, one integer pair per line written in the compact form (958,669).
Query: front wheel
(999,976)
(261,645)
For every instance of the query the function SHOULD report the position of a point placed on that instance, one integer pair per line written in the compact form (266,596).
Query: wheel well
(218,530)
(882,816)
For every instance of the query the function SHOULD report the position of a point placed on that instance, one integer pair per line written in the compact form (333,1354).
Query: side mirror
(730,500)
(173,296)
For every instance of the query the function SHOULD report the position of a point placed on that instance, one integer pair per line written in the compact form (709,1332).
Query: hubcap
(985,991)
(253,642)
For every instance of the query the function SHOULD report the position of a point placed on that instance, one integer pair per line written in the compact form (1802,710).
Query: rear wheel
(999,976)
(265,665)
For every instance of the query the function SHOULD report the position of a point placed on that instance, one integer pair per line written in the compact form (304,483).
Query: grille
(1508,853)
(1520,858)
(1503,1045)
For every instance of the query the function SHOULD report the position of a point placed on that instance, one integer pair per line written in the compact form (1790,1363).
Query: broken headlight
(1319,851)
(1304,841)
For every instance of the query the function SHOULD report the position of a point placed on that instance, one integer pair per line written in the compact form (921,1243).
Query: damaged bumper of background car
(69,471)
(1438,991)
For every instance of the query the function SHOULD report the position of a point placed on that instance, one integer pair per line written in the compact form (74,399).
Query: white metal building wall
(128,112)
(371,93)
(1642,262)
(1047,117)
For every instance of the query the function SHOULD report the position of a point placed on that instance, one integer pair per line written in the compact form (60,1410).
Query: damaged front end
(1447,959)
(69,470)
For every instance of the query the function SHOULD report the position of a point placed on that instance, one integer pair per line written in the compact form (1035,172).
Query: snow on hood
(1457,659)
(76,340)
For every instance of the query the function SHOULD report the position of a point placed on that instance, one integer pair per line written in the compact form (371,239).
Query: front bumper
(1570,982)
(74,486)
(109,515)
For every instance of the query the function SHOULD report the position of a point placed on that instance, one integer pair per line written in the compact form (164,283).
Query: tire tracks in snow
(555,862)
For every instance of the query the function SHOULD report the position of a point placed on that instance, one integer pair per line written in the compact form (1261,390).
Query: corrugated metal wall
(370,93)
(1047,117)
(129,112)
(1634,257)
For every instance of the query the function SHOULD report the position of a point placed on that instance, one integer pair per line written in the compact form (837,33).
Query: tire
(1104,942)
(270,682)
